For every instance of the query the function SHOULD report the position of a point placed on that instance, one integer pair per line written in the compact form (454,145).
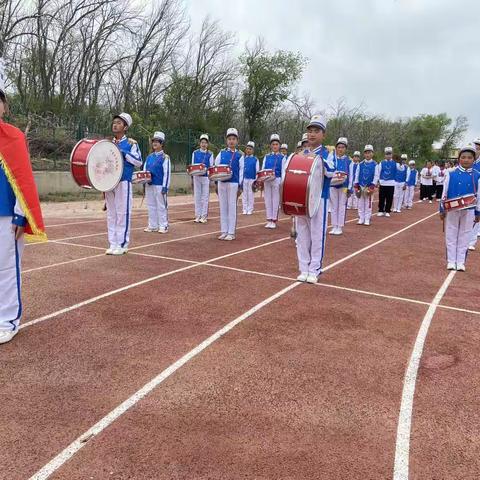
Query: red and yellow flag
(15,160)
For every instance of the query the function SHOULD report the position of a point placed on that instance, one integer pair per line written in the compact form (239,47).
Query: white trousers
(157,207)
(338,206)
(227,197)
(365,208)
(398,196)
(248,197)
(119,212)
(458,230)
(272,198)
(409,194)
(10,280)
(474,235)
(311,240)
(352,201)
(201,191)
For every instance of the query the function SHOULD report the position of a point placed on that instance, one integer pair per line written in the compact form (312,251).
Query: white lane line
(402,448)
(139,283)
(106,421)
(101,425)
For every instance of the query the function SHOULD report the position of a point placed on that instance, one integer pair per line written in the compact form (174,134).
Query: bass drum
(96,164)
(302,184)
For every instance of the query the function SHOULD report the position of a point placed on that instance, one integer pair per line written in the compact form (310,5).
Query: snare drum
(302,185)
(196,169)
(220,172)
(460,203)
(141,177)
(338,179)
(265,175)
(96,164)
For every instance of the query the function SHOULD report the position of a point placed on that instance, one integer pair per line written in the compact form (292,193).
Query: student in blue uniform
(201,183)
(386,173)
(411,182)
(400,179)
(476,167)
(462,181)
(159,165)
(364,184)
(352,202)
(251,167)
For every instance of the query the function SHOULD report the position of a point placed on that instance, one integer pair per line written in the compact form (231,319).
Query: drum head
(315,186)
(105,166)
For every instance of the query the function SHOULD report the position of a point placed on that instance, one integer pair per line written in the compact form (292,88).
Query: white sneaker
(163,230)
(267,225)
(451,266)
(203,220)
(471,248)
(229,238)
(387,214)
(273,225)
(5,337)
(197,220)
(148,229)
(460,267)
(249,213)
(119,251)
(244,212)
(109,251)
(333,231)
(430,201)
(302,277)
(222,236)
(367,223)
(339,231)
(380,214)
(360,222)
(312,278)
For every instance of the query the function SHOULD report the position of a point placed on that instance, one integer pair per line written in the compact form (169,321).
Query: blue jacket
(206,157)
(366,173)
(8,201)
(401,175)
(236,162)
(274,161)
(342,164)
(132,157)
(329,169)
(412,176)
(460,182)
(251,167)
(158,164)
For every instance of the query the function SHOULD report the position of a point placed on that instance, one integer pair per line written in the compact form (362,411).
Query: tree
(269,79)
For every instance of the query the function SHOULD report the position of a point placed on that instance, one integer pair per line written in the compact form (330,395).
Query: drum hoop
(307,195)
(88,156)
(284,174)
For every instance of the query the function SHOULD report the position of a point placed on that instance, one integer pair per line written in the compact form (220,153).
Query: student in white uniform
(275,161)
(476,167)
(410,184)
(250,170)
(228,190)
(426,183)
(311,232)
(119,200)
(463,180)
(338,193)
(284,150)
(364,185)
(159,165)
(352,202)
(439,177)
(201,183)
(400,179)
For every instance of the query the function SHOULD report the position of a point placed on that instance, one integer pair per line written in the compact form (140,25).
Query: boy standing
(410,184)
(364,185)
(251,167)
(201,183)
(386,173)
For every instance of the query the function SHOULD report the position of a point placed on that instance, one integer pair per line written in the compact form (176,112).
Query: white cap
(2,76)
(411,162)
(159,136)
(388,150)
(342,140)
(251,144)
(468,148)
(274,137)
(232,131)
(476,141)
(318,121)
(204,136)
(284,145)
(404,156)
(356,153)
(368,148)
(126,118)
(305,137)
(299,144)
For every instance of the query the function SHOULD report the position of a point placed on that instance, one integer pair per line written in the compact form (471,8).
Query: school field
(191,358)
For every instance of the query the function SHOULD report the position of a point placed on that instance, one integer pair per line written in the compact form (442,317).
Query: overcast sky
(398,57)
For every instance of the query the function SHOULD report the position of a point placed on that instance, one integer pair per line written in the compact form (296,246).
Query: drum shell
(221,173)
(195,170)
(78,163)
(266,175)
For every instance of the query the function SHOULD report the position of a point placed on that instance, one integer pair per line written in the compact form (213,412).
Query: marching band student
(305,141)
(476,166)
(352,202)
(158,164)
(338,196)
(119,200)
(228,189)
(462,181)
(284,150)
(400,178)
(439,177)
(364,184)
(250,170)
(201,183)
(410,184)
(20,217)
(426,182)
(275,161)
(386,172)
(311,231)
(299,147)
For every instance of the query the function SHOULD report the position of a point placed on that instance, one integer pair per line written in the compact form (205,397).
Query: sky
(398,57)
